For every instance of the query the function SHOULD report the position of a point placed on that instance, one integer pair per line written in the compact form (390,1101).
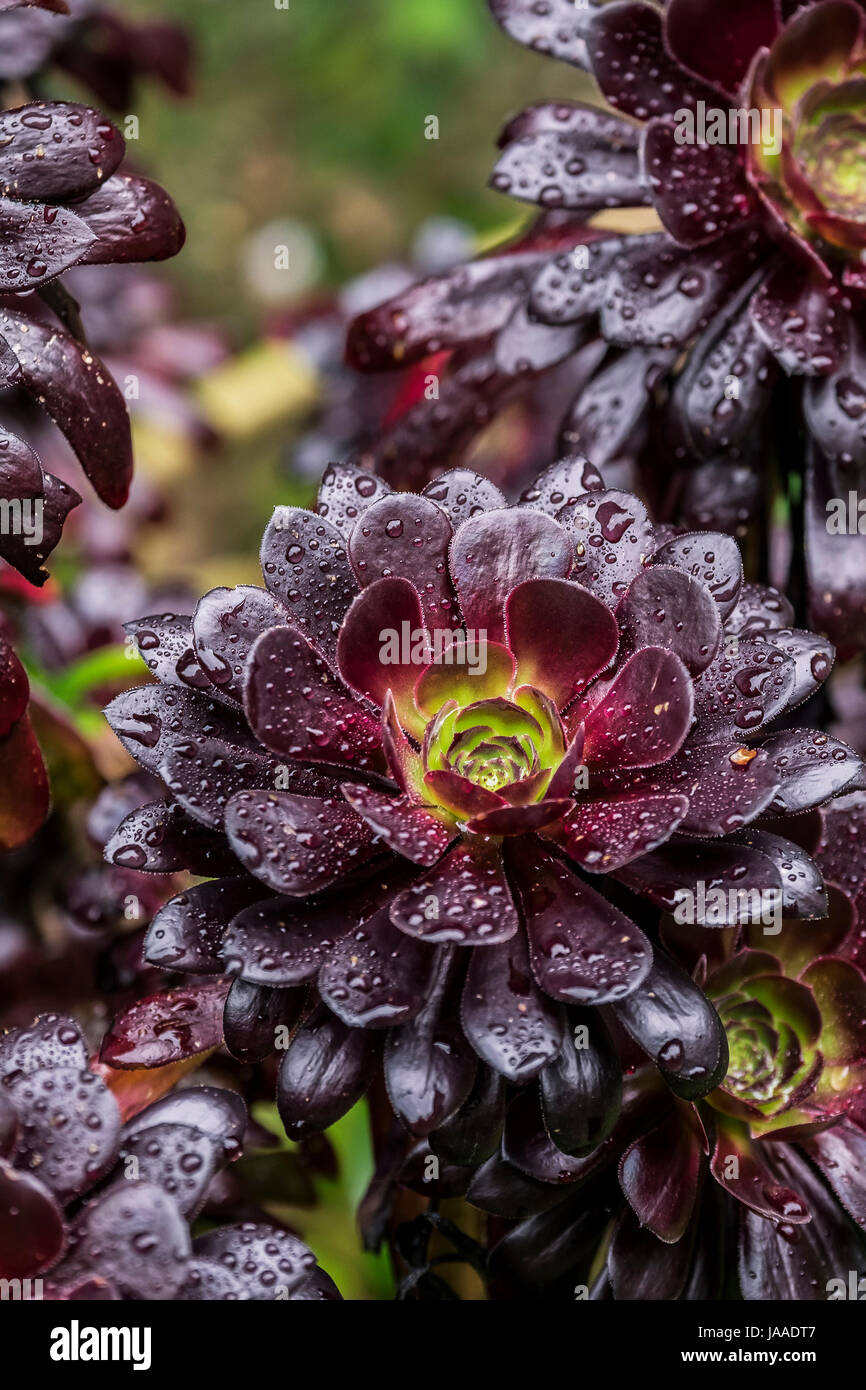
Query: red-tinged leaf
(25,798)
(298,708)
(407,829)
(166,1028)
(465,899)
(561,635)
(32,1231)
(493,553)
(14,688)
(131,219)
(715,39)
(37,243)
(564,482)
(755,1185)
(79,147)
(719,199)
(387,612)
(136,1089)
(582,949)
(660,1176)
(644,715)
(632,66)
(297,844)
(79,394)
(468,672)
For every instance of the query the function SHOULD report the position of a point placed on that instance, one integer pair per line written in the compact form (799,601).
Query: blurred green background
(318,112)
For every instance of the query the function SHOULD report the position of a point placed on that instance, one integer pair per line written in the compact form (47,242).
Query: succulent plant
(757,1191)
(96,45)
(97,1197)
(732,331)
(443,771)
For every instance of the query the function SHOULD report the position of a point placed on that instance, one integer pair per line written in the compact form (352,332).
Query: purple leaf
(718,198)
(409,536)
(345,493)
(225,627)
(298,708)
(376,976)
(742,692)
(463,494)
(69,1126)
(561,635)
(677,1026)
(37,243)
(557,29)
(134,1235)
(326,1069)
(407,829)
(644,715)
(710,557)
(296,844)
(32,1233)
(493,553)
(582,949)
(429,1067)
(80,396)
(613,537)
(801,320)
(465,899)
(79,148)
(716,39)
(304,563)
(632,66)
(186,934)
(666,608)
(167,1028)
(268,1261)
(132,219)
(603,835)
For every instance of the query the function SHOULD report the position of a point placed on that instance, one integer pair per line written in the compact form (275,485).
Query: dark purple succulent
(94,44)
(442,773)
(758,1191)
(96,1204)
(721,352)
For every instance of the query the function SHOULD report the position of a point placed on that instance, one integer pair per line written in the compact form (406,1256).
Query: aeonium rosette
(755,1191)
(449,764)
(696,267)
(98,1190)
